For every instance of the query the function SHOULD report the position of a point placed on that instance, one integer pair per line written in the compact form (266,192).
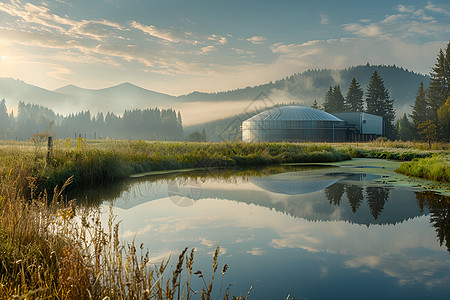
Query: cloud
(59,72)
(163,34)
(339,53)
(409,23)
(371,30)
(219,39)
(257,40)
(438,9)
(207,49)
(323,19)
(36,14)
(242,52)
(95,29)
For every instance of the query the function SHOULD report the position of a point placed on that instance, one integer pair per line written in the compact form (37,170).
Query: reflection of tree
(377,197)
(439,207)
(355,196)
(334,193)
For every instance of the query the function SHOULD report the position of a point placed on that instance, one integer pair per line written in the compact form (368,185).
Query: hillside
(312,84)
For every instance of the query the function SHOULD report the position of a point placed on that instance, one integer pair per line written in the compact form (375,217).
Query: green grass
(436,168)
(108,161)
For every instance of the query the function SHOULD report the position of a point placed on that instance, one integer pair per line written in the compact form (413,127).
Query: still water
(311,232)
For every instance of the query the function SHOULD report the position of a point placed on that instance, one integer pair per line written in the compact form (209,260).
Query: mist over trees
(148,124)
(311,84)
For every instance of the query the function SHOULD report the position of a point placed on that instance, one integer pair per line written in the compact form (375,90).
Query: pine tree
(444,120)
(328,103)
(420,110)
(315,105)
(404,128)
(4,118)
(338,99)
(379,103)
(354,100)
(438,90)
(334,101)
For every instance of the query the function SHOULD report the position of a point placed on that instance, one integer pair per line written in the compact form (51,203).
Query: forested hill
(402,85)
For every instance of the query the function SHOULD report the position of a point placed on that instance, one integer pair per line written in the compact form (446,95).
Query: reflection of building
(294,187)
(299,123)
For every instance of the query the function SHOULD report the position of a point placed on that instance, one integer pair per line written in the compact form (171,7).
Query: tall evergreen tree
(379,103)
(438,90)
(444,120)
(4,118)
(420,110)
(334,101)
(354,100)
(328,103)
(404,128)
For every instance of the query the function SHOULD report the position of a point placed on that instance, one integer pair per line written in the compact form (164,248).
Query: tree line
(377,101)
(148,124)
(430,117)
(429,120)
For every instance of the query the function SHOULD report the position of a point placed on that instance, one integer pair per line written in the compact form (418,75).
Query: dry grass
(61,251)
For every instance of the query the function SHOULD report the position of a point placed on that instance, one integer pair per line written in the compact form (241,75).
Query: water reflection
(355,233)
(439,207)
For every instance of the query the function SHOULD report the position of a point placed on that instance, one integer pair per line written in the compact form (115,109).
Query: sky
(177,47)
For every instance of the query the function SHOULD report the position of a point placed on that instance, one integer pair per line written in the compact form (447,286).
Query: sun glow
(3,58)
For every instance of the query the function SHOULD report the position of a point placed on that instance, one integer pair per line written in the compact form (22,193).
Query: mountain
(401,83)
(72,99)
(118,98)
(16,90)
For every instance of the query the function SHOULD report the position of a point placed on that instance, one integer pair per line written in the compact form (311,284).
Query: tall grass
(61,251)
(106,162)
(436,167)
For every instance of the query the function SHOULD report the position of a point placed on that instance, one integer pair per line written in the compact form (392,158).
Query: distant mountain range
(72,99)
(301,88)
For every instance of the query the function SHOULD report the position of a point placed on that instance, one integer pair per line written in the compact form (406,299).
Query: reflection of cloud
(129,234)
(405,269)
(393,250)
(256,251)
(366,261)
(207,242)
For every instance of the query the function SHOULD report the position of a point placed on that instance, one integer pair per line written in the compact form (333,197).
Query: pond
(315,232)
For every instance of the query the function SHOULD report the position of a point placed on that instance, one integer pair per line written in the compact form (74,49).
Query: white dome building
(294,124)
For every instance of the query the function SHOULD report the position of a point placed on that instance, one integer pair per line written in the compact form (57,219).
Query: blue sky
(177,47)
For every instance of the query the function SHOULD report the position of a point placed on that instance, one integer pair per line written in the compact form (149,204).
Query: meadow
(51,248)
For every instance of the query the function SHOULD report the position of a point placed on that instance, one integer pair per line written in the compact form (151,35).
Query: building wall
(366,123)
(293,131)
